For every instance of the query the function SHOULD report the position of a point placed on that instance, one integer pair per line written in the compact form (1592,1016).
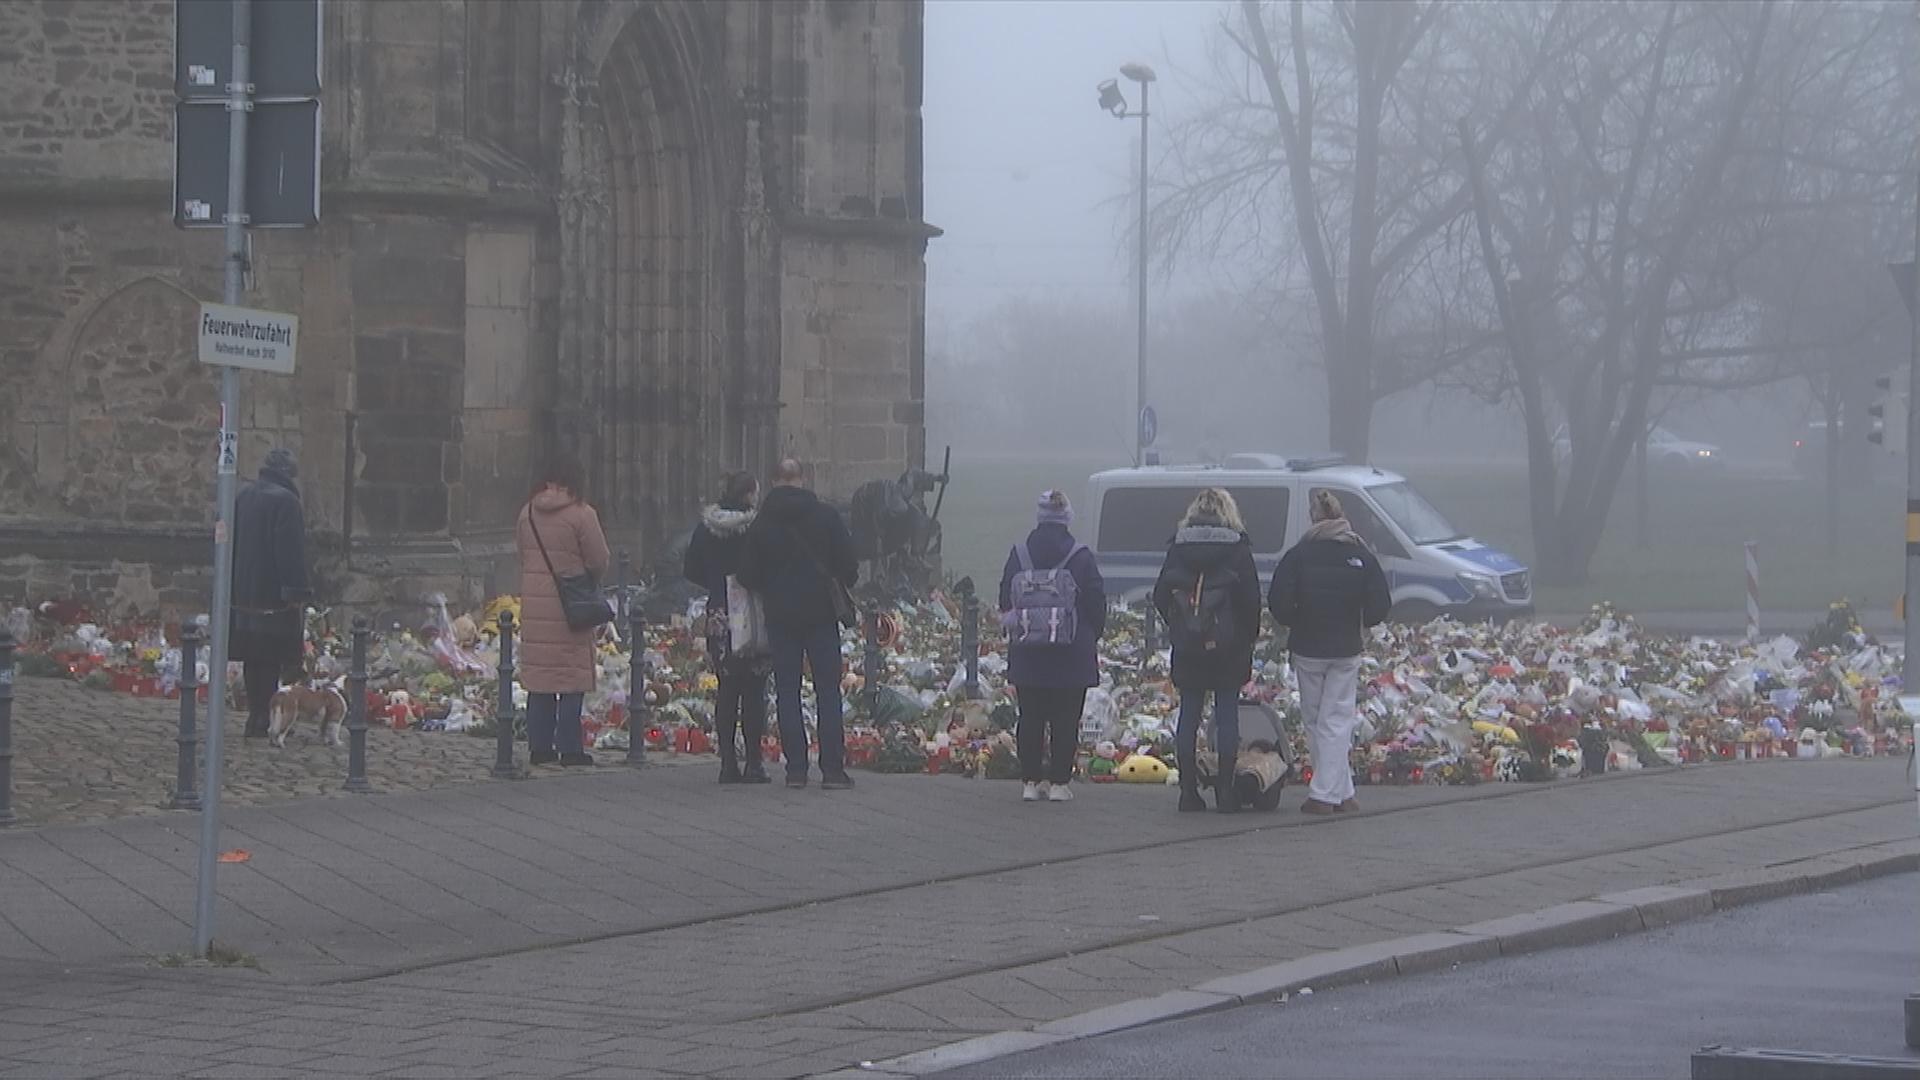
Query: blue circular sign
(1149,426)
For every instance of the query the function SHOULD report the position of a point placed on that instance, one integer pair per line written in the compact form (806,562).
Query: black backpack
(1203,620)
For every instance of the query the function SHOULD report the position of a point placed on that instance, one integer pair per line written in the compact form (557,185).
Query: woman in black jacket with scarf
(714,554)
(1209,596)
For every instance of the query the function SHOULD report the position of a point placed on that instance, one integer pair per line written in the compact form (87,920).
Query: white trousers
(1328,689)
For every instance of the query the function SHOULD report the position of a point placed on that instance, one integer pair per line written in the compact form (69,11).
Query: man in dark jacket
(1053,679)
(1208,594)
(267,634)
(1327,591)
(798,553)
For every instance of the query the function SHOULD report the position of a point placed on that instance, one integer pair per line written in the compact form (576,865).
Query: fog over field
(1533,233)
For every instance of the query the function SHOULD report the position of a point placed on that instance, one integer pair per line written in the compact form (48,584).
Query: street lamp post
(1114,102)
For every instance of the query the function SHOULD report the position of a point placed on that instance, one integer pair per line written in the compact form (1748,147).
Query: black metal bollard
(503,711)
(7,645)
(357,709)
(970,643)
(186,773)
(637,712)
(870,661)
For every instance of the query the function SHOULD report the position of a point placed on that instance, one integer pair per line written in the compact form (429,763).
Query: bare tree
(1364,195)
(1329,153)
(1660,165)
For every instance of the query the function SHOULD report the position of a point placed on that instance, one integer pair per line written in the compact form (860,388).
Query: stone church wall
(445,304)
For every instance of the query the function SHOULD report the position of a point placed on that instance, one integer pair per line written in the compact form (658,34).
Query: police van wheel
(1415,613)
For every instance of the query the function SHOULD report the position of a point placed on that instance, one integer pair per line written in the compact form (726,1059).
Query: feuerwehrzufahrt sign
(247,338)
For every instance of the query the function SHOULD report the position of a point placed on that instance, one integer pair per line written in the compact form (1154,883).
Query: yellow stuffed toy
(1141,769)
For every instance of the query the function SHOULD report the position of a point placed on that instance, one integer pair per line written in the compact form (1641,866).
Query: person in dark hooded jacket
(715,552)
(1209,596)
(1052,680)
(797,551)
(267,634)
(1327,591)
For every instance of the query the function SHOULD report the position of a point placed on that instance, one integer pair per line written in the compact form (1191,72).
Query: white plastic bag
(746,621)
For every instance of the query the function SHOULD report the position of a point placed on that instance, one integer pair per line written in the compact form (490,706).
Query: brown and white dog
(300,702)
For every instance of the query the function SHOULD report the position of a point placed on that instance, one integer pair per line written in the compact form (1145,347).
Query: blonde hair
(1214,506)
(1326,506)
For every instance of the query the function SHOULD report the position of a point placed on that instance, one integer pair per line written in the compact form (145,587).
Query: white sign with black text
(246,338)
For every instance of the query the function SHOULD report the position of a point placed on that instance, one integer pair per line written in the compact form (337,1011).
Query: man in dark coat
(1210,569)
(799,551)
(267,634)
(1053,680)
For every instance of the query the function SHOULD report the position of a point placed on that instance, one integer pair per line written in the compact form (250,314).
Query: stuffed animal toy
(1141,769)
(399,709)
(1566,760)
(971,720)
(1813,744)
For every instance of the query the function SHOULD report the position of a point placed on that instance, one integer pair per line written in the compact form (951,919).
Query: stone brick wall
(435,296)
(88,89)
(850,315)
(853,280)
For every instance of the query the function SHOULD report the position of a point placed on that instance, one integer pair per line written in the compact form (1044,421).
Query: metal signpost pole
(1140,331)
(1909,684)
(1908,670)
(239,101)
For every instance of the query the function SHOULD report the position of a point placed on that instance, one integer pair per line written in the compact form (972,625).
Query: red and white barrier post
(1753,590)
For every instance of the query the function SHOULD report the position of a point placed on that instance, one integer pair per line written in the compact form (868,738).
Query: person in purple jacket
(1054,605)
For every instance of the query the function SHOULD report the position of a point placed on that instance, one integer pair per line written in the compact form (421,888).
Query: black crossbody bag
(580,598)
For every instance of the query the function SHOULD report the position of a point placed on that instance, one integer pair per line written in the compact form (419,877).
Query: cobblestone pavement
(92,755)
(652,924)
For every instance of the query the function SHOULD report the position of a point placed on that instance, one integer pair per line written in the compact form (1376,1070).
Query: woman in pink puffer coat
(555,661)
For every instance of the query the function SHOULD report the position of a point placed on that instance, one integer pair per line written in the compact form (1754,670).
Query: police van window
(1368,525)
(1142,519)
(1264,509)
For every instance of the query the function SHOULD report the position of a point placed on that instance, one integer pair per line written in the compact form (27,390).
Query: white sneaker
(1060,793)
(1030,793)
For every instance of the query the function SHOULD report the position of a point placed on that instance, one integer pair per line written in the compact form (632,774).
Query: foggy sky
(1033,184)
(1022,166)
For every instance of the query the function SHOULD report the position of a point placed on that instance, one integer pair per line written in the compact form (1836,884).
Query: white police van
(1433,567)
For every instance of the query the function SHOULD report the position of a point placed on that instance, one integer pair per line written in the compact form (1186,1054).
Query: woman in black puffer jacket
(713,555)
(1209,596)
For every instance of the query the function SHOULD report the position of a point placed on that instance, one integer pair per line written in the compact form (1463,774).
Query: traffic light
(1882,390)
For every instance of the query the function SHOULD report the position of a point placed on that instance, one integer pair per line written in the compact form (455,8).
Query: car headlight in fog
(1481,586)
(1703,453)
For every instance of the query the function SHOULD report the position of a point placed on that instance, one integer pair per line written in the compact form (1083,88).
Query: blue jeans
(816,648)
(553,722)
(1226,727)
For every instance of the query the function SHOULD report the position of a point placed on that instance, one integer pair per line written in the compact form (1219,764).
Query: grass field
(1693,561)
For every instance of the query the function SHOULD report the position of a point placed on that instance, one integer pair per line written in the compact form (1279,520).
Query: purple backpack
(1045,603)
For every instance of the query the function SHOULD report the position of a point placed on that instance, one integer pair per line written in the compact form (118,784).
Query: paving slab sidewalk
(741,932)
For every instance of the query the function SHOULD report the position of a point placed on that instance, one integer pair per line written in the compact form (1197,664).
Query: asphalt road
(1824,972)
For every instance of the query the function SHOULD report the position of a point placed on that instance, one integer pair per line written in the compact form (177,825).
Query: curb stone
(1442,949)
(1579,922)
(970,1052)
(1663,905)
(1139,1012)
(1362,963)
(1576,923)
